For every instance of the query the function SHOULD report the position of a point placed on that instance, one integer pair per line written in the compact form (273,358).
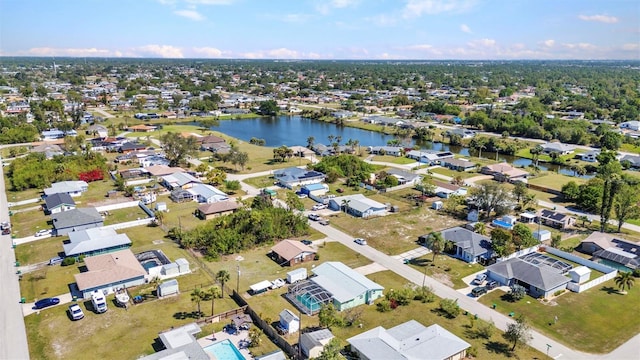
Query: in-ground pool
(150,264)
(224,350)
(502,224)
(614,265)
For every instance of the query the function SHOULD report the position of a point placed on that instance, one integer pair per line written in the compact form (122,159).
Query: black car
(478,291)
(491,285)
(306,242)
(41,304)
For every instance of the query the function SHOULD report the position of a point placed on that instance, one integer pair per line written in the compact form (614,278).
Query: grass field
(400,160)
(605,326)
(554,180)
(448,270)
(453,173)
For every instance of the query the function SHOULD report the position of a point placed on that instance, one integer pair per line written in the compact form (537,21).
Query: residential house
(312,343)
(100,131)
(179,180)
(316,190)
(290,252)
(322,150)
(429,157)
(301,151)
(612,250)
(357,205)
(142,128)
(468,245)
(504,172)
(463,133)
(73,188)
(630,125)
(95,241)
(52,134)
(590,156)
(556,219)
(386,150)
(130,147)
(558,148)
(409,340)
(180,343)
(405,177)
(204,193)
(294,176)
(289,322)
(158,171)
(153,159)
(341,114)
(49,150)
(212,210)
(75,220)
(540,280)
(445,190)
(110,272)
(634,160)
(60,202)
(458,164)
(211,141)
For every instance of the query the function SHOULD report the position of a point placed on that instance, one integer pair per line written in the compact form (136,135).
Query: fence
(117,206)
(273,335)
(519,253)
(130,224)
(221,316)
(137,182)
(544,189)
(609,273)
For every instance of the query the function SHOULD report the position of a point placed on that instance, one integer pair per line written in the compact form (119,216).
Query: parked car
(302,196)
(323,222)
(480,278)
(277,283)
(306,242)
(360,241)
(478,291)
(314,217)
(56,260)
(318,207)
(41,304)
(43,232)
(76,312)
(492,284)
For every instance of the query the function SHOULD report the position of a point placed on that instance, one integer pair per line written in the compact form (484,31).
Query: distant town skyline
(323,29)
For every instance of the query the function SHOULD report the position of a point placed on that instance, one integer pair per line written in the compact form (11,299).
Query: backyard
(607,325)
(446,269)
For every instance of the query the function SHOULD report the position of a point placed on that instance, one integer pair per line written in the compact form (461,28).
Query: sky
(322,29)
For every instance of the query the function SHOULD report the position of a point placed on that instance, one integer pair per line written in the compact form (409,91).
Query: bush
(449,307)
(517,292)
(68,261)
(425,294)
(559,292)
(486,329)
(472,351)
(636,273)
(383,305)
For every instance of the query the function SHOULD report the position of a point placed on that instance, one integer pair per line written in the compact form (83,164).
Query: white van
(99,302)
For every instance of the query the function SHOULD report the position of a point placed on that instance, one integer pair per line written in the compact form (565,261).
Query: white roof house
(346,285)
(179,180)
(358,205)
(204,193)
(559,148)
(410,340)
(95,240)
(73,188)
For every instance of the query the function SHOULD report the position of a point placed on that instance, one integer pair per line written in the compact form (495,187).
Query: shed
(473,215)
(509,219)
(168,288)
(580,274)
(161,206)
(260,287)
(289,322)
(296,275)
(170,269)
(542,235)
(437,205)
(183,266)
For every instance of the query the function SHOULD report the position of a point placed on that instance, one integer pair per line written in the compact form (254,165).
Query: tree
(255,337)
(197,296)
(426,185)
(480,228)
(535,152)
(571,191)
(517,292)
(331,351)
(449,307)
(269,108)
(159,216)
(492,196)
(501,242)
(177,148)
(222,277)
(215,176)
(293,202)
(609,169)
(328,316)
(232,185)
(610,141)
(520,190)
(522,237)
(624,280)
(436,242)
(310,141)
(213,293)
(208,123)
(626,204)
(556,240)
(518,332)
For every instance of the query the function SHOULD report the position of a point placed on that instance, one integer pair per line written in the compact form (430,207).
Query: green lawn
(554,180)
(597,320)
(39,251)
(125,215)
(260,181)
(400,160)
(446,269)
(453,173)
(26,223)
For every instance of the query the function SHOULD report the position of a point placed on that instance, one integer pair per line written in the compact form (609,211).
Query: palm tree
(345,204)
(623,280)
(310,141)
(436,242)
(213,293)
(480,228)
(535,152)
(223,276)
(197,296)
(159,215)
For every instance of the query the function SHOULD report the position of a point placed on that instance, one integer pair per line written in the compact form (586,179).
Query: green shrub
(449,307)
(383,305)
(485,328)
(68,261)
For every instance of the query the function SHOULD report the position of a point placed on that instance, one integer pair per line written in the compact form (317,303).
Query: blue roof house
(294,176)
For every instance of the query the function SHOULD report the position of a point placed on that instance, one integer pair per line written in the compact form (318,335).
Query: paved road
(13,335)
(629,350)
(101,112)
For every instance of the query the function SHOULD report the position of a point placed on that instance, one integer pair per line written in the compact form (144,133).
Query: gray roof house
(429,156)
(204,193)
(558,148)
(358,205)
(75,220)
(179,180)
(58,203)
(539,280)
(95,241)
(405,177)
(633,159)
(411,341)
(469,246)
(73,188)
(294,176)
(180,343)
(312,343)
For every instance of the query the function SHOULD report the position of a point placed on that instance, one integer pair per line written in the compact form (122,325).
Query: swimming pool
(224,350)
(150,264)
(502,224)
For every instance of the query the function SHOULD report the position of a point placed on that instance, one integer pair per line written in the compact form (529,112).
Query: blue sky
(323,29)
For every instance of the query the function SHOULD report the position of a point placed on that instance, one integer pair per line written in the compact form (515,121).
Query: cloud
(548,43)
(466,28)
(417,8)
(294,18)
(190,14)
(419,47)
(164,51)
(599,18)
(580,46)
(482,43)
(73,52)
(208,52)
(631,47)
(324,7)
(383,20)
(210,2)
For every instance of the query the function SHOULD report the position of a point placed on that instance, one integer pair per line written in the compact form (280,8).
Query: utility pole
(238,280)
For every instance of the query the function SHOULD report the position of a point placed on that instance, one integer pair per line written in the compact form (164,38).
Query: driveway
(27,308)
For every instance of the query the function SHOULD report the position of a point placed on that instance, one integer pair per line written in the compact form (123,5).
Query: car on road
(41,304)
(491,284)
(478,291)
(360,241)
(318,207)
(43,232)
(324,222)
(76,312)
(56,260)
(314,217)
(306,242)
